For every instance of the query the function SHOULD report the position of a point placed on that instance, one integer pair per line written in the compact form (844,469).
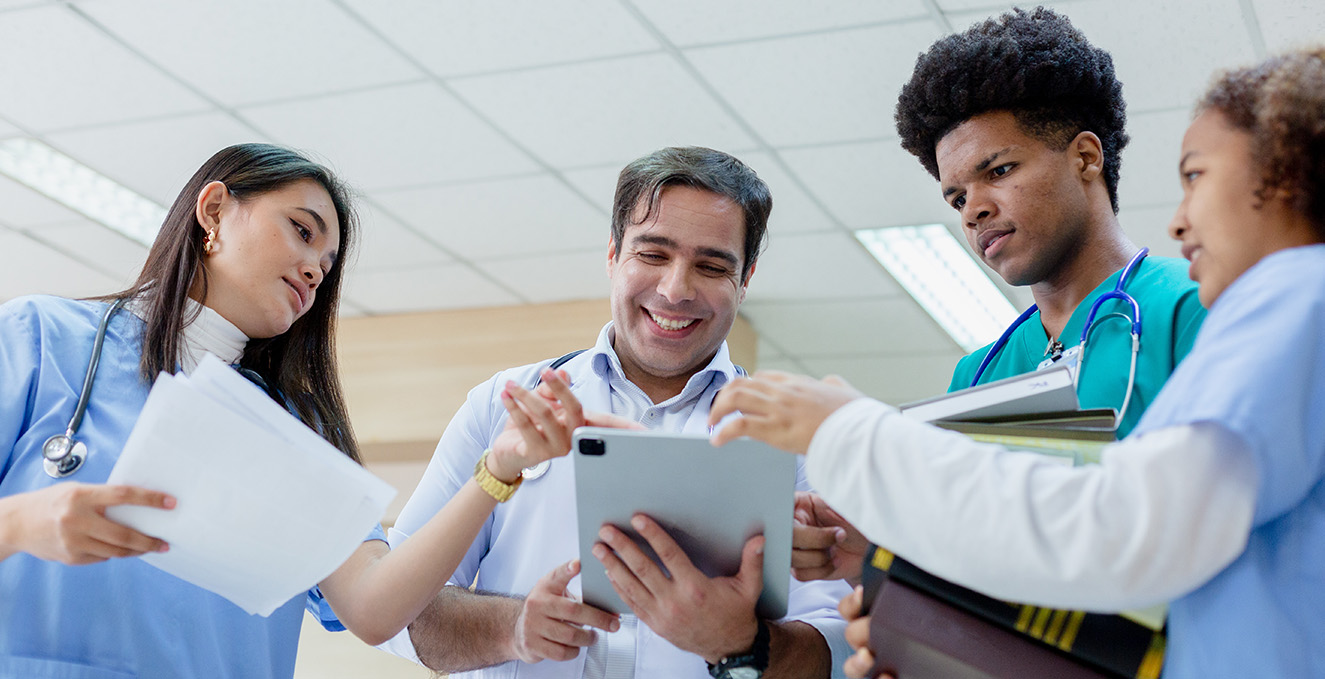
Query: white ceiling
(485,137)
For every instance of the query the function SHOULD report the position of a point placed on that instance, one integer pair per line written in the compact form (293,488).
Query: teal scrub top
(1171,315)
(118,618)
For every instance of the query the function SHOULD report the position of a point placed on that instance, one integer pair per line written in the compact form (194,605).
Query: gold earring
(209,242)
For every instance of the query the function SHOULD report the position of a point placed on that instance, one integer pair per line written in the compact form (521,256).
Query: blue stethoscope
(1079,352)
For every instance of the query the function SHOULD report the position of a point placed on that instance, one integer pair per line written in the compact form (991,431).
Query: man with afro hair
(1021,120)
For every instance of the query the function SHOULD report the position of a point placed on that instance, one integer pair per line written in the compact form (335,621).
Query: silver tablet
(710,500)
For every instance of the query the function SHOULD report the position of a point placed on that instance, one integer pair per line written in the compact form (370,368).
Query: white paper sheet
(266,507)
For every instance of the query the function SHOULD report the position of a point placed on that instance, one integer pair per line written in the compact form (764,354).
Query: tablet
(710,500)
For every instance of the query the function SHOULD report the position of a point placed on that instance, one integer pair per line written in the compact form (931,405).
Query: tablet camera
(592,447)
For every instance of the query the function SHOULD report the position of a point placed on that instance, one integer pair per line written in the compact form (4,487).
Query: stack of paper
(266,507)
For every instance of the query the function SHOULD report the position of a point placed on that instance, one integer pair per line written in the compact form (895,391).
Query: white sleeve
(1161,514)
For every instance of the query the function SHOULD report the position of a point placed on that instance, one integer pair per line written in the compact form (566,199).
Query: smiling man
(1021,120)
(687,226)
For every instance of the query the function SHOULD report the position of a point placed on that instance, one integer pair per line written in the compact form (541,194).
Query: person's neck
(658,389)
(1059,295)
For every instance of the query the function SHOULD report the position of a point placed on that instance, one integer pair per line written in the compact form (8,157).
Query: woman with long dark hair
(247,266)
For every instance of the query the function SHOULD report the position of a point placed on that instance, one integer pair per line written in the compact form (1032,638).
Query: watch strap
(755,659)
(498,489)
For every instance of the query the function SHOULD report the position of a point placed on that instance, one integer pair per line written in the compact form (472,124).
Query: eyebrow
(979,167)
(664,241)
(1183,160)
(322,226)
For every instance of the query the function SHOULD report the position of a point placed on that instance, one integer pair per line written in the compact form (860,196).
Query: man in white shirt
(687,227)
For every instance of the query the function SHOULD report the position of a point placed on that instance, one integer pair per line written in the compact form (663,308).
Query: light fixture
(943,278)
(80,188)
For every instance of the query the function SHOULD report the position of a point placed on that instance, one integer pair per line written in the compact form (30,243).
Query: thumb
(750,578)
(561,576)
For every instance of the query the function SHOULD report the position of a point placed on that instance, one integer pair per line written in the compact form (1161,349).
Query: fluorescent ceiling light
(81,188)
(943,279)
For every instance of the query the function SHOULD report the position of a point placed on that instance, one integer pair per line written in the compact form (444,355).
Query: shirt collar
(720,370)
(209,332)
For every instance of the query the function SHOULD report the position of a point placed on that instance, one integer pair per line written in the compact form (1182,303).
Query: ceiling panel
(515,216)
(385,243)
(7,130)
(289,49)
(1288,24)
(1164,50)
(870,184)
(1150,161)
(454,38)
(603,113)
(851,327)
(403,136)
(1149,226)
(154,158)
(29,268)
(401,290)
(554,277)
(690,22)
(105,250)
(22,207)
(812,89)
(48,45)
(892,379)
(819,266)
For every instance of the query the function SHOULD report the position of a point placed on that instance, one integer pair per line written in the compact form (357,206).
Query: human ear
(611,254)
(746,285)
(208,206)
(1089,155)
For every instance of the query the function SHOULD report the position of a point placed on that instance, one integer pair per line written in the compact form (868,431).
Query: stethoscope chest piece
(537,471)
(62,456)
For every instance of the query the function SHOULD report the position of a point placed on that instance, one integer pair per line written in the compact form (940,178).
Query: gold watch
(498,489)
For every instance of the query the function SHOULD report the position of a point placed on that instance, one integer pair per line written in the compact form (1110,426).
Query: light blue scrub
(1258,369)
(119,618)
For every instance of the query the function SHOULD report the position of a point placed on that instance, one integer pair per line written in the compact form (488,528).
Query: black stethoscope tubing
(59,453)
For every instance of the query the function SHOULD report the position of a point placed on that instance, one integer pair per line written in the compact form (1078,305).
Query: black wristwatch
(748,665)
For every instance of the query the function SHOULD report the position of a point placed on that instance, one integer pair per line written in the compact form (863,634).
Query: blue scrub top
(1258,369)
(123,617)
(1171,315)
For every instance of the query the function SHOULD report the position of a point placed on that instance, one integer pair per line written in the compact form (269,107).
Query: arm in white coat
(1162,513)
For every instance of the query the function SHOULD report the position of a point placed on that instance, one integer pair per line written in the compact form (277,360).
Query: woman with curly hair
(1216,501)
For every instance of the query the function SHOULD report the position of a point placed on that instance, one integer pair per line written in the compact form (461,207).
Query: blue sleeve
(317,605)
(965,370)
(1258,369)
(19,360)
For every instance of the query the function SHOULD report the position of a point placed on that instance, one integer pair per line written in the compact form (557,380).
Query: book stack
(923,626)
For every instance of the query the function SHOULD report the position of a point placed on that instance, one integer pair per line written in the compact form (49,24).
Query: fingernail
(599,551)
(637,522)
(604,533)
(168,502)
(841,534)
(163,548)
(614,625)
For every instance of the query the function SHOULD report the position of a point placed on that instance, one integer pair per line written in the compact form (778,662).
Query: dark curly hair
(1281,103)
(1035,65)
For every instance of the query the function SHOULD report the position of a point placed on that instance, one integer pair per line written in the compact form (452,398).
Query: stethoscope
(1079,352)
(61,454)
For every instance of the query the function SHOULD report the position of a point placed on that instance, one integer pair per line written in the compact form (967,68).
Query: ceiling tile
(21,207)
(605,112)
(107,251)
(403,136)
(255,50)
(855,327)
(1164,50)
(689,22)
(154,158)
(1150,160)
(518,216)
(385,243)
(29,268)
(1288,24)
(454,38)
(1149,226)
(99,81)
(793,209)
(827,87)
(554,277)
(870,184)
(819,266)
(447,286)
(891,379)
